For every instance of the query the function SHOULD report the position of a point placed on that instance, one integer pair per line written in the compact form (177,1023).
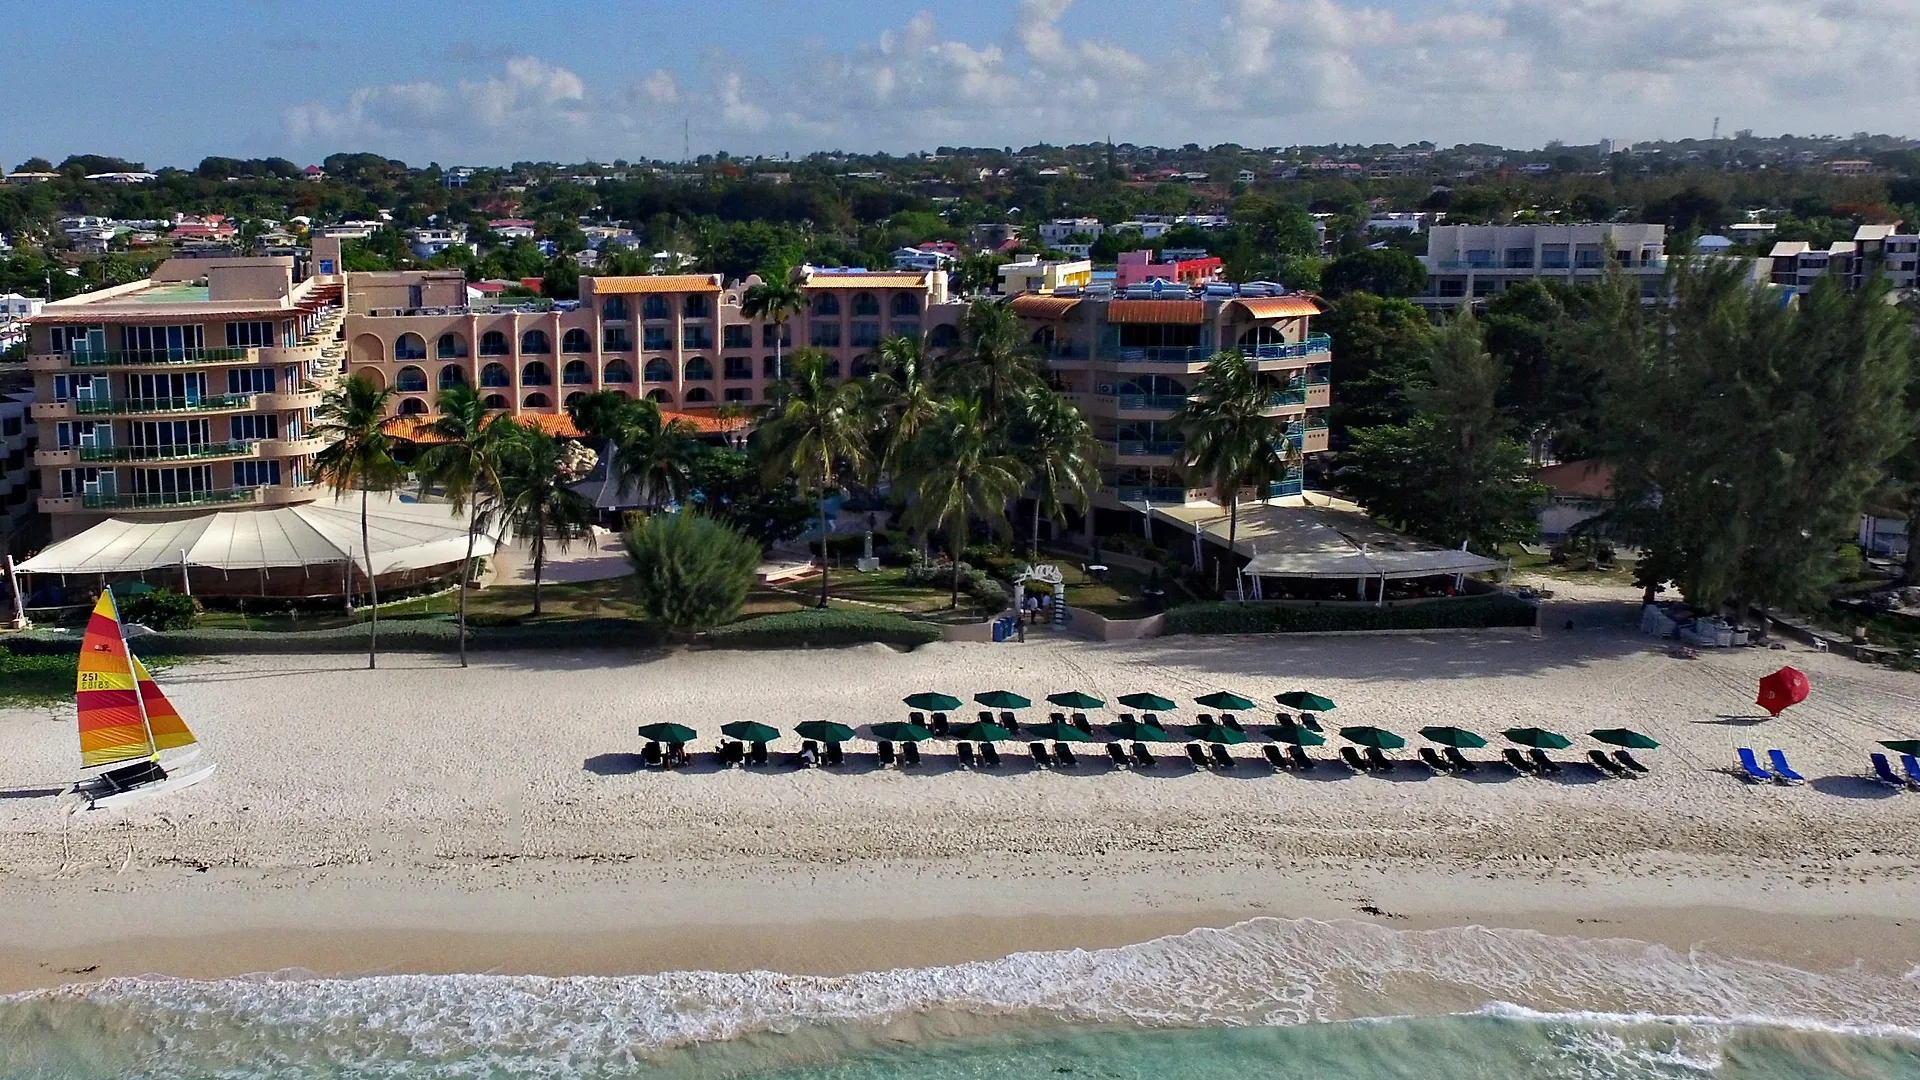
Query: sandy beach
(421,818)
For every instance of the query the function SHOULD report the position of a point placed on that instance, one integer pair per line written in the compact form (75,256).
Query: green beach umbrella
(1217,733)
(933,702)
(1903,746)
(1148,702)
(901,731)
(1538,738)
(679,733)
(982,732)
(1074,699)
(1458,738)
(750,731)
(1139,732)
(1378,738)
(1300,699)
(1220,699)
(1059,732)
(823,730)
(1295,734)
(1633,740)
(1002,699)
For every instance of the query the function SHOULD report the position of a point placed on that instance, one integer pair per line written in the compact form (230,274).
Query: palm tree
(959,471)
(819,430)
(465,463)
(995,364)
(903,398)
(599,416)
(537,497)
(359,454)
(775,299)
(1231,443)
(654,454)
(1059,448)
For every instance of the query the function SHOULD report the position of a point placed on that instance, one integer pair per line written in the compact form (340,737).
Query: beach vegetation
(993,365)
(651,454)
(1231,443)
(959,471)
(828,626)
(465,463)
(1468,612)
(360,453)
(728,485)
(35,678)
(161,609)
(817,436)
(537,497)
(692,573)
(1056,443)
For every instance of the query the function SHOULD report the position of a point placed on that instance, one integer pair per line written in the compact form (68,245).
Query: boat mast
(153,749)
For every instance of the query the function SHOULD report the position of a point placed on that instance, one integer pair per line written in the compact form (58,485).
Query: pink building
(1138,268)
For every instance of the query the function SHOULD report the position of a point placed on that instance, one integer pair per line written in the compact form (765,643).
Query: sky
(482,82)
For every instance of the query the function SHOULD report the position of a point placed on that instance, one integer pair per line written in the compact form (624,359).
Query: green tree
(1059,449)
(692,573)
(1231,442)
(901,398)
(960,471)
(775,299)
(727,486)
(818,434)
(537,498)
(1382,272)
(994,364)
(464,462)
(359,454)
(1379,349)
(654,454)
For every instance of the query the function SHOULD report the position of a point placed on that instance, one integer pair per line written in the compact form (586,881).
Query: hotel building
(1474,262)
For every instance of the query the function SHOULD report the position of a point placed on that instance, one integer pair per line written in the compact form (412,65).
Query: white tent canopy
(403,535)
(1388,564)
(1316,536)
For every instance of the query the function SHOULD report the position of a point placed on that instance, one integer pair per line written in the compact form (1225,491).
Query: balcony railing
(133,406)
(1148,402)
(162,501)
(144,357)
(1160,354)
(1144,447)
(166,453)
(1315,343)
(1293,395)
(1132,494)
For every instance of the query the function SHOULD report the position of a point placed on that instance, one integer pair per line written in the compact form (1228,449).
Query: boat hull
(184,773)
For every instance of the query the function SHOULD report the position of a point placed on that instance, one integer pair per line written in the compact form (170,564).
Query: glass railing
(129,406)
(142,357)
(165,453)
(1141,447)
(1296,395)
(164,500)
(1152,401)
(1159,354)
(1134,494)
(1315,343)
(1281,488)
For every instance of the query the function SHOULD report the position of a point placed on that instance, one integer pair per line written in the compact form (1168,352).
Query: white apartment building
(1056,232)
(1477,261)
(1798,265)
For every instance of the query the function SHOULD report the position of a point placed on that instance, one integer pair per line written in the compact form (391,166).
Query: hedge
(1226,617)
(816,627)
(398,635)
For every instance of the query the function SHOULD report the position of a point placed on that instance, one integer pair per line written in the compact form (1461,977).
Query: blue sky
(486,81)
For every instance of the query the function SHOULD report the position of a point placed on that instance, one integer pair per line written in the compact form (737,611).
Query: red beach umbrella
(1781,689)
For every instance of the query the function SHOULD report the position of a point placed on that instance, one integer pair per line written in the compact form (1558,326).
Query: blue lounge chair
(1752,766)
(1912,765)
(1783,770)
(1883,772)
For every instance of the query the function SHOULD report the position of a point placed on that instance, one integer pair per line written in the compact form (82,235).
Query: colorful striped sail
(123,714)
(164,722)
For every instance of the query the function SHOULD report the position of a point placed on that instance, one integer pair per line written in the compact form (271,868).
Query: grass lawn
(1621,574)
(35,680)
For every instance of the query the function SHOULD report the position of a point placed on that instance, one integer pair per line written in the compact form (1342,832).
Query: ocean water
(1266,998)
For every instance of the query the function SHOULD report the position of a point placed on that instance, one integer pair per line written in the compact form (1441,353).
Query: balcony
(173,501)
(283,494)
(305,398)
(1146,448)
(1292,397)
(86,358)
(1319,395)
(285,448)
(304,352)
(1158,354)
(1174,496)
(189,452)
(1314,345)
(1151,402)
(146,406)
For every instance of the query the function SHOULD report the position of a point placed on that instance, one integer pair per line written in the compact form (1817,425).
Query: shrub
(691,572)
(1225,617)
(828,627)
(976,583)
(161,609)
(34,678)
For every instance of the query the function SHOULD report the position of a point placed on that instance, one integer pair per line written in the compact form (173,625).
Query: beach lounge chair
(1459,761)
(1142,757)
(1541,761)
(1518,763)
(1378,761)
(1080,721)
(1912,766)
(941,725)
(1299,758)
(676,755)
(835,756)
(1432,759)
(1627,760)
(989,756)
(1204,718)
(650,754)
(1783,770)
(1118,754)
(759,753)
(1352,757)
(809,755)
(984,716)
(1007,721)
(1274,757)
(1308,721)
(1127,718)
(1751,767)
(1058,718)
(1039,752)
(1064,755)
(1230,722)
(965,752)
(1606,765)
(917,718)
(1221,759)
(1150,719)
(910,754)
(1883,772)
(884,752)
(1196,755)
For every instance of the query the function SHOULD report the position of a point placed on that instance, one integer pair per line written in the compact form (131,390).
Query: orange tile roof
(1589,479)
(655,283)
(1278,307)
(1182,312)
(864,281)
(1032,306)
(560,425)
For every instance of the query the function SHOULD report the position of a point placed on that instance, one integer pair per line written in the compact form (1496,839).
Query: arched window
(576,372)
(656,306)
(410,380)
(375,376)
(621,394)
(451,375)
(535,341)
(942,336)
(1262,335)
(413,406)
(409,347)
(826,304)
(574,398)
(495,375)
(614,307)
(368,349)
(618,371)
(865,303)
(694,306)
(450,347)
(576,340)
(663,396)
(495,401)
(862,366)
(657,370)
(535,401)
(699,369)
(493,343)
(699,393)
(536,373)
(905,305)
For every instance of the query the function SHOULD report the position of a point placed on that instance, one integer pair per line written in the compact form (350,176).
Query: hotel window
(451,347)
(769,333)
(696,337)
(826,304)
(181,482)
(739,367)
(249,335)
(1553,256)
(823,335)
(905,305)
(252,426)
(616,340)
(71,339)
(699,369)
(865,305)
(493,343)
(902,328)
(656,338)
(161,341)
(189,385)
(770,367)
(739,393)
(169,434)
(78,481)
(536,342)
(865,334)
(255,473)
(576,341)
(614,307)
(694,306)
(737,337)
(257,380)
(1453,286)
(657,370)
(1588,257)
(71,433)
(1519,258)
(656,307)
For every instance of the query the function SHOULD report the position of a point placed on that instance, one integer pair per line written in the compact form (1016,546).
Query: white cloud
(1266,72)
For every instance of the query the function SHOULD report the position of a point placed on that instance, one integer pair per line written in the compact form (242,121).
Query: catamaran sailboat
(126,723)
